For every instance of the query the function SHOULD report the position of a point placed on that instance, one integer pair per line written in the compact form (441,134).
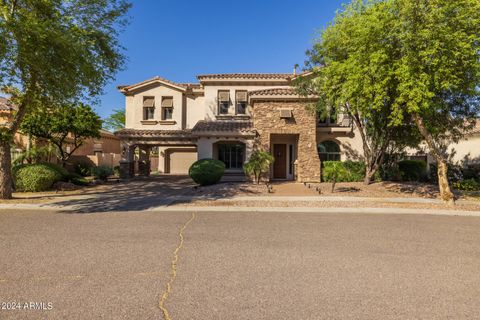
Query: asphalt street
(239,265)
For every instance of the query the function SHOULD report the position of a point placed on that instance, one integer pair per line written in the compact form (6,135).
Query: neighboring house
(467,150)
(226,117)
(108,143)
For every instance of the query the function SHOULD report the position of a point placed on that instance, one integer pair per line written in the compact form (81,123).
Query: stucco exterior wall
(211,97)
(195,110)
(267,121)
(134,108)
(466,151)
(349,140)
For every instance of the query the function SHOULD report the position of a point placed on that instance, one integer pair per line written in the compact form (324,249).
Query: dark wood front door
(280,164)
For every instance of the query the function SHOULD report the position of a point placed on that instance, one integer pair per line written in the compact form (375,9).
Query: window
(167,108)
(328,151)
(223,102)
(148,108)
(240,102)
(232,155)
(327,117)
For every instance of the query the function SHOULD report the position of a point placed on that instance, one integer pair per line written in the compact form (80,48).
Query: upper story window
(327,117)
(148,108)
(167,108)
(240,102)
(223,102)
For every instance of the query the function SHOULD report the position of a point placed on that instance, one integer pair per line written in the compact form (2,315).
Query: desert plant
(334,171)
(206,171)
(258,164)
(83,168)
(77,179)
(467,185)
(413,170)
(102,172)
(35,177)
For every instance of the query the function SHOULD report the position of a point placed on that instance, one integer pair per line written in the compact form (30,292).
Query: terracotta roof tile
(274,92)
(224,126)
(152,133)
(246,76)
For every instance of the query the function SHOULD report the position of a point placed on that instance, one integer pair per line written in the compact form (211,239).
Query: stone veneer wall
(267,121)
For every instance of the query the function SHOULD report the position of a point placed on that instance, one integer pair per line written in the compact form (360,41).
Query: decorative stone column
(144,161)
(127,168)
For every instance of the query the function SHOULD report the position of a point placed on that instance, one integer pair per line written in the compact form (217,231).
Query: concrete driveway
(247,265)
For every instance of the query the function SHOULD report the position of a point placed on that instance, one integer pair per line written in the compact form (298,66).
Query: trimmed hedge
(352,171)
(35,177)
(206,171)
(413,170)
(61,170)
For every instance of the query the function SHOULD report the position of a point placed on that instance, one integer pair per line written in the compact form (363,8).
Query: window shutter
(241,96)
(224,96)
(167,102)
(149,102)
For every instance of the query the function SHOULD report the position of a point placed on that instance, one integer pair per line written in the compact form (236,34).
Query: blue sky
(179,39)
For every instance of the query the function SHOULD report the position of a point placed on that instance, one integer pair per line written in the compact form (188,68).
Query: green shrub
(84,169)
(467,185)
(390,173)
(62,171)
(35,177)
(471,171)
(413,170)
(352,171)
(116,171)
(77,179)
(102,172)
(206,171)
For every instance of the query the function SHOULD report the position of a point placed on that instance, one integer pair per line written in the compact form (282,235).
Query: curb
(233,209)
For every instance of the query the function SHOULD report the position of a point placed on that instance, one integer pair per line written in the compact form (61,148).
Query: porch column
(127,169)
(144,161)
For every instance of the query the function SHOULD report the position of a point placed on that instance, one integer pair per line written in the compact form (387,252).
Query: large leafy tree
(115,121)
(66,127)
(438,71)
(54,50)
(352,71)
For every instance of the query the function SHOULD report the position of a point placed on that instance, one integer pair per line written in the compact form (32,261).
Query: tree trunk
(5,170)
(443,184)
(333,185)
(369,173)
(445,191)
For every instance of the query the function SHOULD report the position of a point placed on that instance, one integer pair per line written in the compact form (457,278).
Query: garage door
(180,161)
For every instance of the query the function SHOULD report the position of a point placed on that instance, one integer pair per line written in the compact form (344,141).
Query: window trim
(223,102)
(330,155)
(148,107)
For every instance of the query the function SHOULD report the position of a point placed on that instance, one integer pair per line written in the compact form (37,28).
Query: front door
(280,164)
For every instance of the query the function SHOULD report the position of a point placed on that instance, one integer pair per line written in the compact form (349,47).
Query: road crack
(173,270)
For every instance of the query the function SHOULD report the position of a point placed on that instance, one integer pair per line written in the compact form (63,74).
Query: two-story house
(226,117)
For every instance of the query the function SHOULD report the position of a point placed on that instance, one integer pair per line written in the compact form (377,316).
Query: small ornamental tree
(335,171)
(66,127)
(258,164)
